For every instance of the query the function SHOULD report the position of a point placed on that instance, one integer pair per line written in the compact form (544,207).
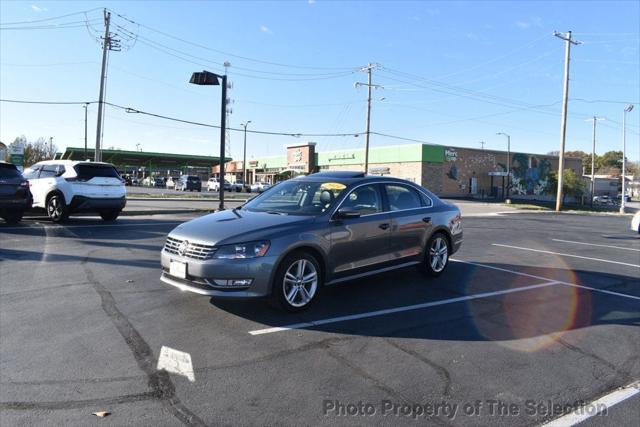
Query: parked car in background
(159,182)
(127,180)
(213,184)
(146,182)
(627,198)
(321,229)
(635,222)
(64,187)
(240,186)
(602,200)
(15,196)
(170,183)
(189,183)
(135,181)
(259,187)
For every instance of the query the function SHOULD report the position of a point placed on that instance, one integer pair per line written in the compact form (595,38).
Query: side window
(32,172)
(49,171)
(365,199)
(402,198)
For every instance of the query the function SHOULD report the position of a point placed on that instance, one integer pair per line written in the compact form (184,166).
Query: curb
(163,211)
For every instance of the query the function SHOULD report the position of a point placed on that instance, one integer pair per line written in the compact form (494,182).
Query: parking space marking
(177,362)
(595,244)
(520,273)
(399,309)
(596,407)
(566,255)
(144,224)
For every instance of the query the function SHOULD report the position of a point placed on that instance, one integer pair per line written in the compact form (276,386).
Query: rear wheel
(57,208)
(13,217)
(436,257)
(297,282)
(110,215)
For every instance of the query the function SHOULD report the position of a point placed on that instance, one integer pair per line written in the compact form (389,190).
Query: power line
(52,18)
(227,53)
(20,101)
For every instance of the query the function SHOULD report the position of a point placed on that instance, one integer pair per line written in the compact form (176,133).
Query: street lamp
(624,155)
(508,161)
(244,153)
(207,78)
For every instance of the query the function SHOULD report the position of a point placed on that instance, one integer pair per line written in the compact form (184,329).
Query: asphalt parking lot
(536,310)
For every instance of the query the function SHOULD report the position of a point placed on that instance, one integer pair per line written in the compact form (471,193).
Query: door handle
(384,226)
(427,219)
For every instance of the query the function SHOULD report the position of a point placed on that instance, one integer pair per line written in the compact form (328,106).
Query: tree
(37,151)
(573,184)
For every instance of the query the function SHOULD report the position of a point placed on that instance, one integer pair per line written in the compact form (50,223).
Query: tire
(436,255)
(283,293)
(13,217)
(110,215)
(57,209)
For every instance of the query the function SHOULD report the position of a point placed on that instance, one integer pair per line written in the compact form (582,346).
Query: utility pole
(85,130)
(228,111)
(563,125)
(482,145)
(223,125)
(593,157)
(108,43)
(369,85)
(508,165)
(244,153)
(623,202)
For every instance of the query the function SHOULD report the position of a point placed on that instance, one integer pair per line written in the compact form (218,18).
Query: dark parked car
(307,232)
(159,182)
(15,197)
(189,183)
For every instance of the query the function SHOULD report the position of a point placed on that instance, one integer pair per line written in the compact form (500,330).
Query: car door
(410,216)
(359,244)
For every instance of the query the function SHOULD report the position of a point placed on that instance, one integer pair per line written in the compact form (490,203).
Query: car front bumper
(201,275)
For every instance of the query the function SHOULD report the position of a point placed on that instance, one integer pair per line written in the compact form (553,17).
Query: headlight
(242,250)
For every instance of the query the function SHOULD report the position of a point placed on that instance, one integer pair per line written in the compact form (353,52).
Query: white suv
(63,187)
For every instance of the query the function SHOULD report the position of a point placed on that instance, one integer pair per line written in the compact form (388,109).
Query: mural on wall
(530,175)
(467,179)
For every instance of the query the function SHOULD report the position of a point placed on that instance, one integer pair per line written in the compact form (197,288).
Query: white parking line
(567,255)
(398,309)
(52,226)
(519,273)
(595,244)
(596,407)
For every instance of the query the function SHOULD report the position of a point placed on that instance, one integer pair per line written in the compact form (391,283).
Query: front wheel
(110,215)
(436,257)
(57,209)
(297,282)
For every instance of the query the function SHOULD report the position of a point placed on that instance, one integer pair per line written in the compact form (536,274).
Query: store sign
(450,155)
(253,163)
(379,170)
(16,152)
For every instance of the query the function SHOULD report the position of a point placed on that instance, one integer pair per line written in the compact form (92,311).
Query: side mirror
(346,213)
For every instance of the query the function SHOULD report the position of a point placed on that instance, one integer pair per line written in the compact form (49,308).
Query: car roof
(3,163)
(72,162)
(350,177)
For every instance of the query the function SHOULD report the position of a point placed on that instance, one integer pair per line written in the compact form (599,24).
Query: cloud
(471,36)
(265,29)
(311,1)
(38,9)
(533,22)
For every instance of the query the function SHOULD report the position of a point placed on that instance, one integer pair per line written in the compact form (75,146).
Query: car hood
(235,226)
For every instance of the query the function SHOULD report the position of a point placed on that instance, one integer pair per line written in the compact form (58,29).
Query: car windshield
(297,198)
(8,171)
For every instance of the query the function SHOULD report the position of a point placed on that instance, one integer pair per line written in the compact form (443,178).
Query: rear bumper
(82,203)
(15,204)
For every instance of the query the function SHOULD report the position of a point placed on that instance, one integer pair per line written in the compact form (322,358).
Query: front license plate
(178,269)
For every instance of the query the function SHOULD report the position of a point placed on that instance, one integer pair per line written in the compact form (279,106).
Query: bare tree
(37,151)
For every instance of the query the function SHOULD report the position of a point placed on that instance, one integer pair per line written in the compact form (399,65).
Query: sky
(450,73)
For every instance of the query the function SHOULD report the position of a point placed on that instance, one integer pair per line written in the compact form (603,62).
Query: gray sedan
(305,233)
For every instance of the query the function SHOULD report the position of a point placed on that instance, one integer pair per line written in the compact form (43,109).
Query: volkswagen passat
(304,233)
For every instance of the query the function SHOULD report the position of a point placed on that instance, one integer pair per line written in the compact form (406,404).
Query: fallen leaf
(130,281)
(101,414)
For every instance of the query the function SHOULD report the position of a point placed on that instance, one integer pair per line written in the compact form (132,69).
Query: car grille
(193,250)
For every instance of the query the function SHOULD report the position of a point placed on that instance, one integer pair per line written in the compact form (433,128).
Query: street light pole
(207,78)
(85,130)
(624,156)
(244,153)
(508,164)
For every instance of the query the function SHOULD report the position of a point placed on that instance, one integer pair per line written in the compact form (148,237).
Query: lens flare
(532,320)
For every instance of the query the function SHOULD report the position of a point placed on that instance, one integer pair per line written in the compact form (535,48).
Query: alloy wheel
(300,283)
(54,208)
(438,254)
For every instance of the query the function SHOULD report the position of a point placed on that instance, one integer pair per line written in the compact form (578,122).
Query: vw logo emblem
(182,249)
